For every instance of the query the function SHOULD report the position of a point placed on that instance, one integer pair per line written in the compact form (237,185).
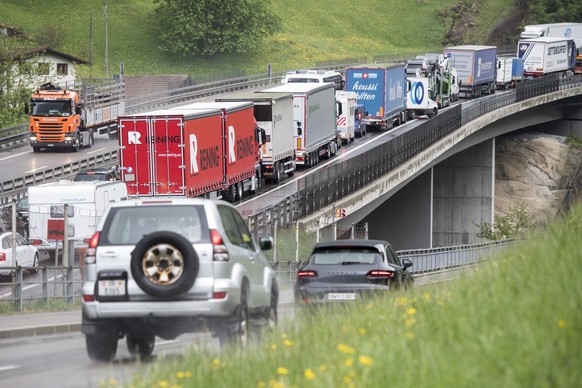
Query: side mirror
(26,108)
(78,110)
(406,263)
(266,243)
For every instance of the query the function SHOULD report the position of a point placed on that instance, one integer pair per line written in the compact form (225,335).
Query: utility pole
(106,48)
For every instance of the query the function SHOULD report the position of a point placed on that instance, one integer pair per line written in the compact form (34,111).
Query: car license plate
(112,287)
(341,296)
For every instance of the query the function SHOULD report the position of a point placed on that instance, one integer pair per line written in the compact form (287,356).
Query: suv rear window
(351,255)
(128,225)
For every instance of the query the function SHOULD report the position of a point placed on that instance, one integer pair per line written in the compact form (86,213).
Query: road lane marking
(34,169)
(8,367)
(97,150)
(15,155)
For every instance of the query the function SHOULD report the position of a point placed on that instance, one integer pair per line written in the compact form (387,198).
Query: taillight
(94,240)
(2,256)
(306,274)
(219,250)
(219,295)
(91,251)
(88,298)
(35,241)
(380,274)
(359,115)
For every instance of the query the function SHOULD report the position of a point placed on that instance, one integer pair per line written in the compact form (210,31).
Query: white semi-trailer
(314,115)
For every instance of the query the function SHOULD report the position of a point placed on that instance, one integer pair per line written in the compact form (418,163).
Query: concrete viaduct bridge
(427,185)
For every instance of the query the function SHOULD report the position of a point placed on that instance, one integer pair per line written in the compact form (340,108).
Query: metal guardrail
(65,283)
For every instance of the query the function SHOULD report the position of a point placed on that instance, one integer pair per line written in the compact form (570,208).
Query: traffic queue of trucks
(71,117)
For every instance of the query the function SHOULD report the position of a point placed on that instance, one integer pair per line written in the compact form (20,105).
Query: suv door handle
(110,255)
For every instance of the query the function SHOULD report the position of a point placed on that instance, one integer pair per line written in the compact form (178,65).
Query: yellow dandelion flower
(273,347)
(362,331)
(408,335)
(322,368)
(426,296)
(216,363)
(349,361)
(288,343)
(261,384)
(347,379)
(561,323)
(180,375)
(409,322)
(276,384)
(309,374)
(365,360)
(164,384)
(401,301)
(346,349)
(411,311)
(282,371)
(112,381)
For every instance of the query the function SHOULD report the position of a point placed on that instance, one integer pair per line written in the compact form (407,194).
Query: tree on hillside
(15,76)
(208,27)
(553,11)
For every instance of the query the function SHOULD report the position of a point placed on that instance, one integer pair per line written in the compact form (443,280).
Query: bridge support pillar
(464,192)
(405,219)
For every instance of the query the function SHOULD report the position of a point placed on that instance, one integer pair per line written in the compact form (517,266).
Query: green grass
(514,322)
(313,33)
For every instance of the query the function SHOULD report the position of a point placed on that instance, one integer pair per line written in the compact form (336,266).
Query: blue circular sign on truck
(417,92)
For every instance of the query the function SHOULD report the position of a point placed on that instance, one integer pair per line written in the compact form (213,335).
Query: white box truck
(543,56)
(314,114)
(274,114)
(554,30)
(346,115)
(509,71)
(84,201)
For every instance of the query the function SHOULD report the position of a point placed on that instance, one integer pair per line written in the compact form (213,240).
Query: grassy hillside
(313,33)
(514,322)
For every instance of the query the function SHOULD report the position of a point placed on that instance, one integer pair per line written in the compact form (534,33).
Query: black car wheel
(140,344)
(272,314)
(34,268)
(101,346)
(240,335)
(164,264)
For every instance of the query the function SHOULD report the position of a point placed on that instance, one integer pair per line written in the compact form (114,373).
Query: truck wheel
(164,264)
(239,191)
(91,140)
(77,144)
(277,172)
(36,149)
(140,344)
(101,346)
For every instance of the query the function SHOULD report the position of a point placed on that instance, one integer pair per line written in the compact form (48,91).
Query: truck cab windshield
(51,108)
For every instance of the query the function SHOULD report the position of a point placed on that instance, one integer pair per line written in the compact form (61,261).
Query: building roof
(30,52)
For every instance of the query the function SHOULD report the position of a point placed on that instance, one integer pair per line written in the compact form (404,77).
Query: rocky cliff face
(535,168)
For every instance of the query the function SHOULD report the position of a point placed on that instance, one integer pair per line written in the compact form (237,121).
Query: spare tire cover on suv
(164,264)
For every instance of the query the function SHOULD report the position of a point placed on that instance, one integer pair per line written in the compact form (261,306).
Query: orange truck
(70,118)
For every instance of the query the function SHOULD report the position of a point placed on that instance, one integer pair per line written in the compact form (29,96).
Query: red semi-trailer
(205,149)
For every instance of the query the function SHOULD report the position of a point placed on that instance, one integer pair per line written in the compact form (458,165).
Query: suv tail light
(2,256)
(90,252)
(35,241)
(306,274)
(219,250)
(380,274)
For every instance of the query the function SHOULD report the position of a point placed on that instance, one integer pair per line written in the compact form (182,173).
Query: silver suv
(164,267)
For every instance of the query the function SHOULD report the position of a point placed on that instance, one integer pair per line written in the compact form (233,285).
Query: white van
(85,203)
(346,115)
